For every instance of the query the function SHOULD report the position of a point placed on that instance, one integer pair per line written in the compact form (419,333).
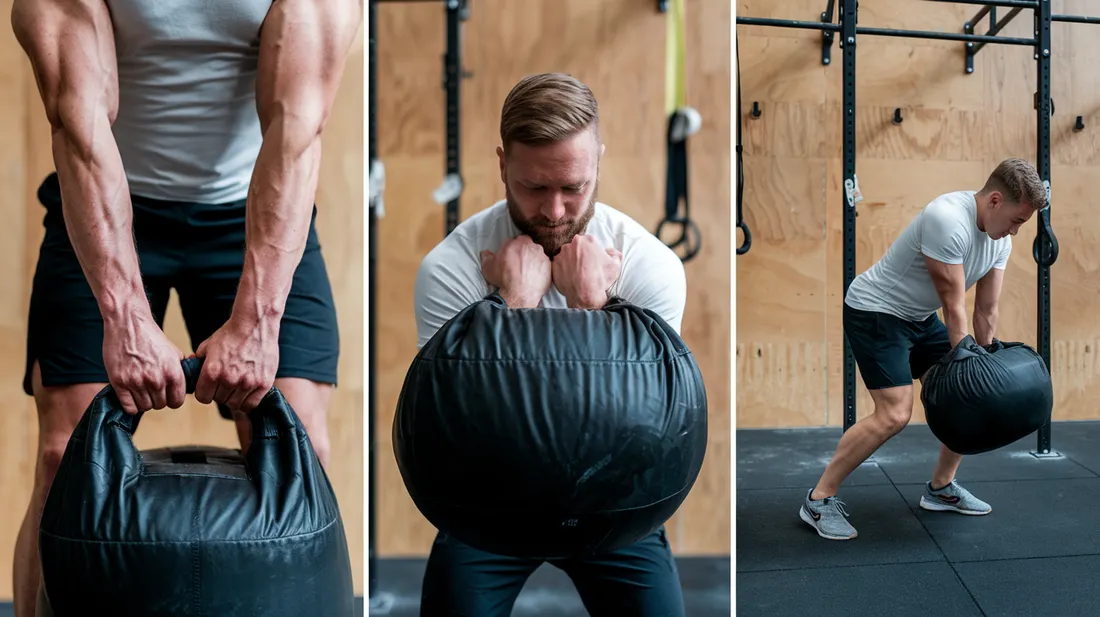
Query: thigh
(308,334)
(934,343)
(461,581)
(64,324)
(881,346)
(641,580)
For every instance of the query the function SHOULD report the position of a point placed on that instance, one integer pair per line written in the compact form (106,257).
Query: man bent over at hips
(959,240)
(550,244)
(186,143)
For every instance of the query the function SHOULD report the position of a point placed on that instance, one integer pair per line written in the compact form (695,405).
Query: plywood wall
(25,159)
(956,128)
(617,48)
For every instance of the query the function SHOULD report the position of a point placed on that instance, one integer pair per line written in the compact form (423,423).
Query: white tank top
(187,127)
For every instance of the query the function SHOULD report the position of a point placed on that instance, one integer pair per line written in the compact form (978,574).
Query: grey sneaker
(828,517)
(953,498)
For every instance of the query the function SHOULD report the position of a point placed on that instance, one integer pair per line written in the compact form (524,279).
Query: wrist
(121,304)
(588,300)
(518,300)
(254,313)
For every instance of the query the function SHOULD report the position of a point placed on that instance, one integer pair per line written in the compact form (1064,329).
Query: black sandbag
(979,399)
(551,433)
(196,530)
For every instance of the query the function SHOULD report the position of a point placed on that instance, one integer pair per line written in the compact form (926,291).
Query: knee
(59,411)
(894,416)
(51,449)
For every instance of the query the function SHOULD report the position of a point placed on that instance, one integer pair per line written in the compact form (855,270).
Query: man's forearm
(301,60)
(985,325)
(280,206)
(954,318)
(98,217)
(70,46)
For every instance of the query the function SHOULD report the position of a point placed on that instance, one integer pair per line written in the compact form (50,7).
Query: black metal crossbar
(911,34)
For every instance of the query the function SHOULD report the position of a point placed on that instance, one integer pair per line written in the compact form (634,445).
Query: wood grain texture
(956,128)
(617,48)
(25,159)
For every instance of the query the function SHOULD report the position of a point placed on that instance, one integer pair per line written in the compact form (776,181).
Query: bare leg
(310,401)
(946,467)
(893,408)
(59,410)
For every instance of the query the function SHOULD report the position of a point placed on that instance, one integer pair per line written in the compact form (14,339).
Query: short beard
(551,240)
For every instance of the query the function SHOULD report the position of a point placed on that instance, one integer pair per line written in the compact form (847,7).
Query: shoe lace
(838,504)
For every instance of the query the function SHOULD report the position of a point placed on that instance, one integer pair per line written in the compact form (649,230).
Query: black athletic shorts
(196,249)
(640,580)
(891,351)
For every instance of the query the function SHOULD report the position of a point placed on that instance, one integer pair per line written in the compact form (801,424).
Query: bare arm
(70,44)
(950,283)
(303,46)
(987,298)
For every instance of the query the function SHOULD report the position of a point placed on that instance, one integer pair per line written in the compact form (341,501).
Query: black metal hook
(897,116)
(756,109)
(1080,124)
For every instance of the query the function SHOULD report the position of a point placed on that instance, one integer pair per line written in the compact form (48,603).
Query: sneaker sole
(934,506)
(810,521)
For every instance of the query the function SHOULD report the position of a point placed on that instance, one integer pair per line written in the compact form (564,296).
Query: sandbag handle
(192,368)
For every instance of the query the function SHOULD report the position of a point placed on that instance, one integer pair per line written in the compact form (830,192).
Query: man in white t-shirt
(550,244)
(959,240)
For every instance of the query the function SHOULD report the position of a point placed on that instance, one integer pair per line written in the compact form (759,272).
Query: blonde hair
(546,108)
(1019,182)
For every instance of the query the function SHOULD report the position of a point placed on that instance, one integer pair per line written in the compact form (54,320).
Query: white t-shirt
(450,279)
(945,230)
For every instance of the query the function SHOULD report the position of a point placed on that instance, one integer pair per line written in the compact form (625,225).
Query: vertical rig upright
(848,19)
(452,81)
(1043,251)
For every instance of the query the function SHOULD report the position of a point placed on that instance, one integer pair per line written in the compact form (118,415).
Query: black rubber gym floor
(550,593)
(1038,552)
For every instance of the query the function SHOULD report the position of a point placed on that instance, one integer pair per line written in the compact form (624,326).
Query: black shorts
(196,249)
(891,351)
(641,580)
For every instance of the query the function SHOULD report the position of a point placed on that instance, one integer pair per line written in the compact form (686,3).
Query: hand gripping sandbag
(978,399)
(551,433)
(193,531)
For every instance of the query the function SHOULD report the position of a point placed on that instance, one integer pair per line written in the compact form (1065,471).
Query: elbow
(296,129)
(77,119)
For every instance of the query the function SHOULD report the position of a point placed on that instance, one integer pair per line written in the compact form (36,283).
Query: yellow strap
(675,91)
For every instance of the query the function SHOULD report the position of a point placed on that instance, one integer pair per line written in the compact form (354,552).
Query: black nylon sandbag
(978,399)
(551,432)
(193,530)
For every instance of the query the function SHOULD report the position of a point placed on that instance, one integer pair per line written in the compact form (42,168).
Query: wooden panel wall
(25,159)
(617,48)
(956,128)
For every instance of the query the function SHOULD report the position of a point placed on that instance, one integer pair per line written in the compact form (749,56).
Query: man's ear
(500,157)
(603,148)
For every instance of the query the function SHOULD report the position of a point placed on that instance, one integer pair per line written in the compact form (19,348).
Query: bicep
(71,48)
(949,281)
(303,49)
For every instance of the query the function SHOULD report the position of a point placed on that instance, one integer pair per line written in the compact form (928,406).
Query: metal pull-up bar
(1045,247)
(912,34)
